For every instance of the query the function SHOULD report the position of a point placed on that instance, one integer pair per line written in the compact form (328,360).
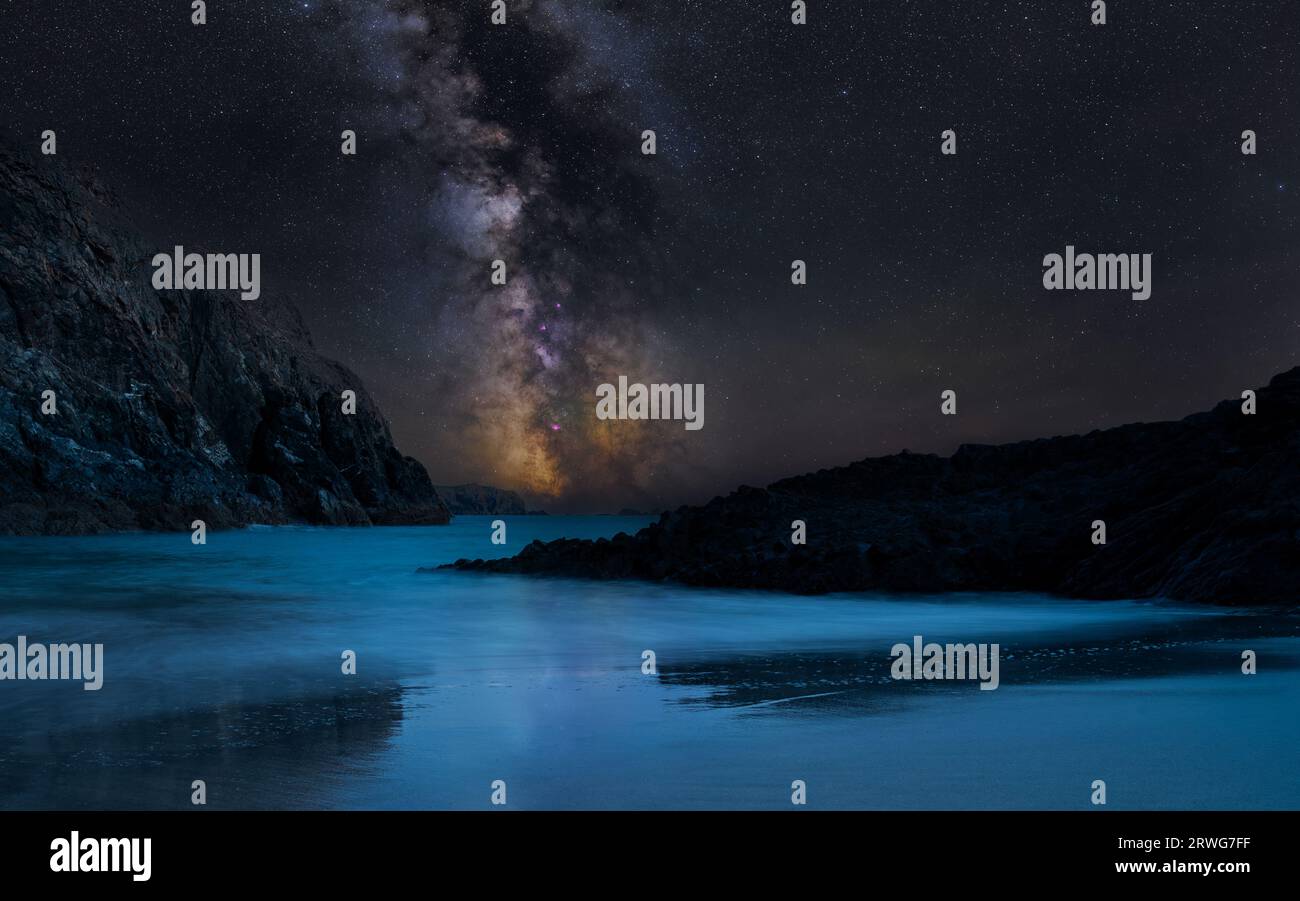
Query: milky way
(540,176)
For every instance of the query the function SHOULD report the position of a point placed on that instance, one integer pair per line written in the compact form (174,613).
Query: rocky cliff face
(1204,509)
(171,405)
(474,499)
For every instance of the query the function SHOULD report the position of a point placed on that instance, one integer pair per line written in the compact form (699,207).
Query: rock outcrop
(171,405)
(1203,509)
(481,500)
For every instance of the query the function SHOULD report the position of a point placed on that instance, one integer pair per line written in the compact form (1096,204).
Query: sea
(339,668)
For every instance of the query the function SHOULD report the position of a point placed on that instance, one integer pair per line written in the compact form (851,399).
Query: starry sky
(776,142)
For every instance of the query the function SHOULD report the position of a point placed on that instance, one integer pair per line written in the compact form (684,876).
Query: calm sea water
(222,663)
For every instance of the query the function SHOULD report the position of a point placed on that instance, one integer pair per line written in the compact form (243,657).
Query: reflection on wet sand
(859,682)
(290,754)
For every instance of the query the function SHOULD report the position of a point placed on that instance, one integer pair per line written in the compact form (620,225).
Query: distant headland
(1203,509)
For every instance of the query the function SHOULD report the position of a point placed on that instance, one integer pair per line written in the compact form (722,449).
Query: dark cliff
(1204,509)
(475,499)
(171,405)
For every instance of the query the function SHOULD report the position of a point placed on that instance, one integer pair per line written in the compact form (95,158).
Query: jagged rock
(172,405)
(1204,509)
(472,499)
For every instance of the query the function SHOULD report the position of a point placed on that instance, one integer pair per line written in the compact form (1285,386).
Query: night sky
(776,142)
